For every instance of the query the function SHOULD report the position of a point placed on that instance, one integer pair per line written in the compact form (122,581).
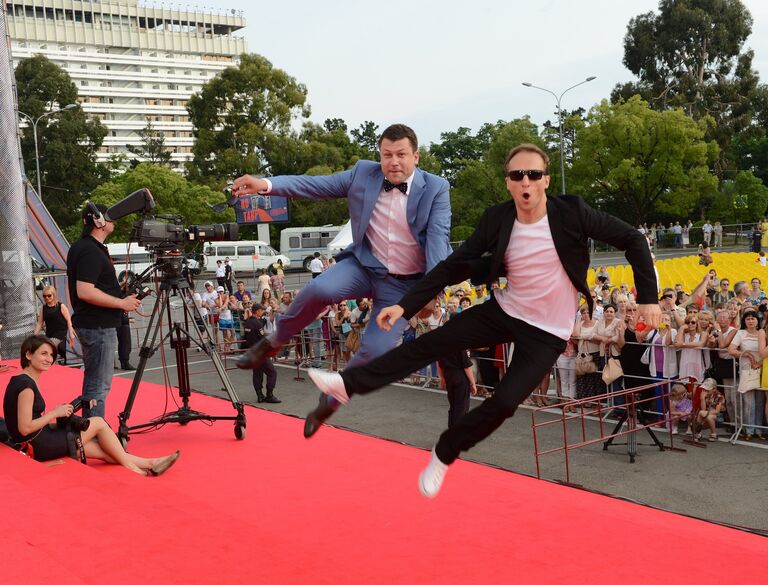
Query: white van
(134,260)
(247,256)
(301,243)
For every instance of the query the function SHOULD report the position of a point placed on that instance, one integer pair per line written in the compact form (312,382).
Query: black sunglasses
(47,296)
(533,175)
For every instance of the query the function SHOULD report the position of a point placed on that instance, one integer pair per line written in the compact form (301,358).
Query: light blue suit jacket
(428,210)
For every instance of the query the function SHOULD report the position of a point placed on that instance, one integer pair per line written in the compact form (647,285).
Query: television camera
(165,235)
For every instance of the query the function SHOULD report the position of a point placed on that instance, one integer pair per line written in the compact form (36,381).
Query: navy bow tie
(402,187)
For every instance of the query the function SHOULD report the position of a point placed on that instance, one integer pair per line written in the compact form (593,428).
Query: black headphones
(96,216)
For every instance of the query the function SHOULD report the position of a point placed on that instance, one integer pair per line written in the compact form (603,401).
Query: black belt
(407,276)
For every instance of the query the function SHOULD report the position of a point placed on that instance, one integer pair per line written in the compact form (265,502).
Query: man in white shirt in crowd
(221,273)
(316,265)
(706,229)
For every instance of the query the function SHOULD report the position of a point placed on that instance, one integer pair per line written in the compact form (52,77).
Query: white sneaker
(431,479)
(674,430)
(330,383)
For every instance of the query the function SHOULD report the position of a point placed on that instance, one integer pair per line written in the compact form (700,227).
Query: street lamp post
(34,122)
(560,120)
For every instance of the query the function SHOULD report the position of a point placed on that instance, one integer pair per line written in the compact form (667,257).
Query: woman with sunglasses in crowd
(691,343)
(38,431)
(56,319)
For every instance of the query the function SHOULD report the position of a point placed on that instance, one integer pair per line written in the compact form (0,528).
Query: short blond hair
(50,289)
(528,147)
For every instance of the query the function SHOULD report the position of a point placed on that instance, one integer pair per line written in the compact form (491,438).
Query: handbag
(346,328)
(612,371)
(645,359)
(353,341)
(585,364)
(749,380)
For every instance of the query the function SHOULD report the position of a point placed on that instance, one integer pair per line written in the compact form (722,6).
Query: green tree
(690,55)
(67,142)
(242,122)
(742,199)
(152,148)
(173,194)
(635,162)
(366,136)
(458,148)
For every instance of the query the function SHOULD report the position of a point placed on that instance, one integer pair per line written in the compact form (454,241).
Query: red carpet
(341,508)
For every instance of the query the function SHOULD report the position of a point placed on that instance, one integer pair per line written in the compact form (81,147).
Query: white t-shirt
(198,300)
(316,266)
(745,342)
(538,289)
(221,271)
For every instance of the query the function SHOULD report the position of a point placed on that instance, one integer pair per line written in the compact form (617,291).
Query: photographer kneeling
(54,434)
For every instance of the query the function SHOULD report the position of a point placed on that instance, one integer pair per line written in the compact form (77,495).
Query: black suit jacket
(571,221)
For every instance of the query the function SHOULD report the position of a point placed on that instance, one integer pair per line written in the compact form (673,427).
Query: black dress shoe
(272,399)
(256,355)
(260,397)
(326,406)
(128,367)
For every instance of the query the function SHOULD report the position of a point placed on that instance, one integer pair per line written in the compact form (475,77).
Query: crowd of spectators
(714,332)
(708,235)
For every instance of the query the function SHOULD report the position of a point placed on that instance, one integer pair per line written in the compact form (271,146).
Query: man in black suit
(545,256)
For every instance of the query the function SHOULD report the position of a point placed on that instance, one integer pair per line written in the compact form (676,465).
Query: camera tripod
(630,416)
(181,336)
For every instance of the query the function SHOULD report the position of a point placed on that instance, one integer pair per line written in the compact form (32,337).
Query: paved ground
(722,482)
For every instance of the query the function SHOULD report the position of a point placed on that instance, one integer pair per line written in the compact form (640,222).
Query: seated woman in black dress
(27,421)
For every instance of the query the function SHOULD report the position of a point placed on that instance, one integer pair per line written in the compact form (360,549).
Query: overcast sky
(441,64)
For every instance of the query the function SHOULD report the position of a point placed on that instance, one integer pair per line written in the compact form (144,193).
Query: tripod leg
(616,429)
(240,421)
(147,349)
(643,418)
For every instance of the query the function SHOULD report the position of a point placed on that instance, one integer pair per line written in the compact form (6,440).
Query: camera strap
(76,449)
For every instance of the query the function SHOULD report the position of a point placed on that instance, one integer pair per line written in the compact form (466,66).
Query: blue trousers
(99,346)
(347,279)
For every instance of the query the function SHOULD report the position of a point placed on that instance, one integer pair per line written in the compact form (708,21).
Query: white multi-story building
(131,62)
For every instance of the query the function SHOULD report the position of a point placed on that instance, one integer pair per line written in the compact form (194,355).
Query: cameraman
(98,303)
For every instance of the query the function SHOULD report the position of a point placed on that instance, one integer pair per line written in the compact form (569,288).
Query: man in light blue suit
(401,219)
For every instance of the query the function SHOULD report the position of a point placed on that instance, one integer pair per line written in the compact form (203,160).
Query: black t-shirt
(88,261)
(55,323)
(11,405)
(253,330)
(456,361)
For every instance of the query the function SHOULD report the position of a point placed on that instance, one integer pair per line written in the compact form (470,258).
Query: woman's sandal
(164,465)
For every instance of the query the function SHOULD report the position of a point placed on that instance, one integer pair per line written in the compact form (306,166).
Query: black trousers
(479,326)
(266,369)
(124,342)
(486,365)
(457,386)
